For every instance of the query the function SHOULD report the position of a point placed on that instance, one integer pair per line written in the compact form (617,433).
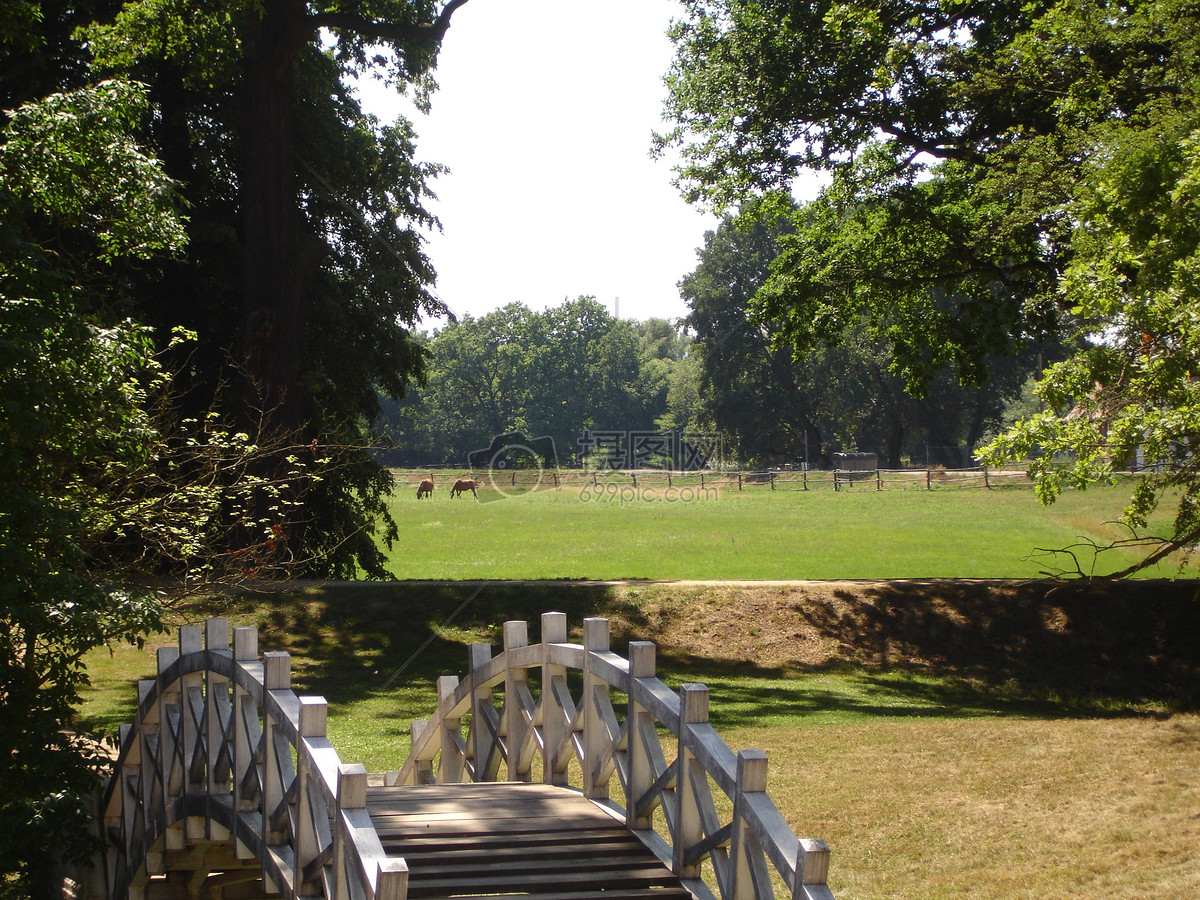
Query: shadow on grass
(944,648)
(1133,644)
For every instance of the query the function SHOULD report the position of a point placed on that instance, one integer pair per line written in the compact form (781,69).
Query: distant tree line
(574,371)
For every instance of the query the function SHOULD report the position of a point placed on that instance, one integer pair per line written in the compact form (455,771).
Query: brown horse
(464,484)
(425,488)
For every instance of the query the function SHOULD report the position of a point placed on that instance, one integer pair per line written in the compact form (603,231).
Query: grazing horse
(425,488)
(464,484)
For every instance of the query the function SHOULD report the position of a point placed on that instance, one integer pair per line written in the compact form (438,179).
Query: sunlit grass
(757,534)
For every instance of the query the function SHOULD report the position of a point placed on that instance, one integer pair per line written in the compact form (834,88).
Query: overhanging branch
(389,32)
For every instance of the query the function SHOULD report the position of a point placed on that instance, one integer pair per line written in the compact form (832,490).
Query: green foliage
(110,500)
(1132,395)
(995,178)
(76,194)
(560,372)
(776,402)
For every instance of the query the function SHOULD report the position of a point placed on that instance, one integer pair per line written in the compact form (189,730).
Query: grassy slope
(756,534)
(948,739)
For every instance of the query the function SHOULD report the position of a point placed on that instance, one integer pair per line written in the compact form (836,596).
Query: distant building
(856,462)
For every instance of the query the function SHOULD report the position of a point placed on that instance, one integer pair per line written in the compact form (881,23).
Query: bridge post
(693,710)
(311,815)
(484,721)
(277,676)
(191,640)
(351,795)
(246,733)
(151,787)
(747,863)
(596,639)
(554,688)
(451,769)
(642,664)
(217,712)
(516,693)
(170,769)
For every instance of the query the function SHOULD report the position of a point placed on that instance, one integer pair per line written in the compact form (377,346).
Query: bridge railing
(742,843)
(222,750)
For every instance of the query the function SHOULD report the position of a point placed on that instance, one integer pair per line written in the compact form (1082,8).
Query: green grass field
(980,754)
(726,534)
(948,738)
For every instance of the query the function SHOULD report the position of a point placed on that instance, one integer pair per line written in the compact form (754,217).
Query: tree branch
(391,32)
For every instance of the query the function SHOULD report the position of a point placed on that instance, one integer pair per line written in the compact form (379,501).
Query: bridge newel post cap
(352,786)
(595,633)
(554,628)
(642,659)
(191,639)
(245,642)
(446,685)
(516,633)
(478,655)
(216,633)
(391,879)
(277,670)
(752,771)
(165,657)
(314,716)
(812,861)
(694,703)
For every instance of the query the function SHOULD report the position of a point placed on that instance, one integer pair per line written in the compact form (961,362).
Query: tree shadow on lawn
(911,648)
(1133,644)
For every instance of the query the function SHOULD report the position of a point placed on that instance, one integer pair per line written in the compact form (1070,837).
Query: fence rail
(930,479)
(577,733)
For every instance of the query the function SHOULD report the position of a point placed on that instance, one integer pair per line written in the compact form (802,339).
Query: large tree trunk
(280,258)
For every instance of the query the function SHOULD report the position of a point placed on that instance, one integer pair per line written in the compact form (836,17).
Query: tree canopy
(305,274)
(1000,173)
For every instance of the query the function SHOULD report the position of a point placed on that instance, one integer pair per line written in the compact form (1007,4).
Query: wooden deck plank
(507,840)
(630,894)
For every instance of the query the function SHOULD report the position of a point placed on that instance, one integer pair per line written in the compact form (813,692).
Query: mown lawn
(726,534)
(948,739)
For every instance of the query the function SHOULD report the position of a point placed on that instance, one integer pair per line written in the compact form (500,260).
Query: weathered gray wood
(222,731)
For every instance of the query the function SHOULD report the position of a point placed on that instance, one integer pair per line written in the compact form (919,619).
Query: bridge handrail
(223,748)
(742,850)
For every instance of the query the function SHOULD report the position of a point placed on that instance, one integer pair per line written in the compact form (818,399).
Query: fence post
(689,829)
(879,479)
(747,864)
(314,718)
(450,771)
(803,478)
(595,689)
(929,479)
(217,711)
(516,690)
(277,676)
(554,679)
(641,726)
(484,722)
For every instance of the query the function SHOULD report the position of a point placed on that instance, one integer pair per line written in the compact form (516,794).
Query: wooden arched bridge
(227,788)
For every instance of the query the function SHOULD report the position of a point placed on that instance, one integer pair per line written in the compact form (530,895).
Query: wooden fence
(659,480)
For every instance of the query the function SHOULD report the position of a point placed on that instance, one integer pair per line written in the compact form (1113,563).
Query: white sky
(544,116)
